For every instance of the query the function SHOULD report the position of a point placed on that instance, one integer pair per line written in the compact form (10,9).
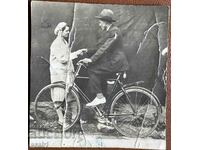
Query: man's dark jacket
(109,55)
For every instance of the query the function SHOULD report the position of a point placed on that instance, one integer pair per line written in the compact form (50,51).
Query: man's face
(102,24)
(65,33)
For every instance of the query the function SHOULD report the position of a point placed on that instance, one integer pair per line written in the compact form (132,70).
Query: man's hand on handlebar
(85,61)
(77,53)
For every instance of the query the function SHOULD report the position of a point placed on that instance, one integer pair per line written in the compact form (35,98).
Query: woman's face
(65,33)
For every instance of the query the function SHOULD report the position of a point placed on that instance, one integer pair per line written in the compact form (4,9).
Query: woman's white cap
(59,27)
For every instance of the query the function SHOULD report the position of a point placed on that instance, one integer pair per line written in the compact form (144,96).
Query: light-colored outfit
(59,60)
(59,70)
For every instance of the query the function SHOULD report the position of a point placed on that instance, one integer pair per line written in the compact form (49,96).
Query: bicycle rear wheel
(138,120)
(45,111)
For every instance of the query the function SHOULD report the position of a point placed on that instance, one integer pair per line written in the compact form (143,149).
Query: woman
(61,67)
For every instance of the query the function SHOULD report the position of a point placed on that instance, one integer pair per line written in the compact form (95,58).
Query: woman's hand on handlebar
(81,51)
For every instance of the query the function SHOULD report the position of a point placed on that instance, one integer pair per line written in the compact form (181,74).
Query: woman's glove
(81,51)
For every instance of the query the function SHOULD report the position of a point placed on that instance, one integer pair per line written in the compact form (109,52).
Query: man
(107,59)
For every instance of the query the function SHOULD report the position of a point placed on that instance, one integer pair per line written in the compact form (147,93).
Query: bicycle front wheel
(45,111)
(137,117)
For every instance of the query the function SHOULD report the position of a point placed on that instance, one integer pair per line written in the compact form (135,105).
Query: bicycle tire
(142,125)
(45,111)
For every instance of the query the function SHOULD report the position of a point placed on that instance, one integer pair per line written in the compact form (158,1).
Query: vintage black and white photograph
(98,75)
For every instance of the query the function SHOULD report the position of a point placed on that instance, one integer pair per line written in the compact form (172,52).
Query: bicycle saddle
(121,73)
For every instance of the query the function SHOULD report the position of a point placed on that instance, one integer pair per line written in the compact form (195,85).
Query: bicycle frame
(117,83)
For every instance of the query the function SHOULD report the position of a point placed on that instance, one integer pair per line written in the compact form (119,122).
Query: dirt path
(92,137)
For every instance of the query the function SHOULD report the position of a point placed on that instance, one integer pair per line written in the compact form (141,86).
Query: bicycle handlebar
(41,57)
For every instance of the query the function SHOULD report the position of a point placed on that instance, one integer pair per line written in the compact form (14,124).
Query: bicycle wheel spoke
(72,107)
(144,118)
(122,121)
(49,95)
(127,125)
(45,111)
(134,99)
(143,104)
(137,104)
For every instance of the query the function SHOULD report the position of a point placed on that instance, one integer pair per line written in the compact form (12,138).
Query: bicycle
(134,111)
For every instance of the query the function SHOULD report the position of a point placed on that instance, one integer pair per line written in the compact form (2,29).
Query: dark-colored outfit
(108,58)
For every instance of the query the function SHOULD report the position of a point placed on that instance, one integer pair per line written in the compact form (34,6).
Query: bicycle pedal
(83,121)
(104,121)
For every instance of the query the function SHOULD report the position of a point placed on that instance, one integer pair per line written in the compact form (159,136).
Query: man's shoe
(105,128)
(96,101)
(104,120)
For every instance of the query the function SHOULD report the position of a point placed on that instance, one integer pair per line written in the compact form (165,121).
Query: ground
(87,134)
